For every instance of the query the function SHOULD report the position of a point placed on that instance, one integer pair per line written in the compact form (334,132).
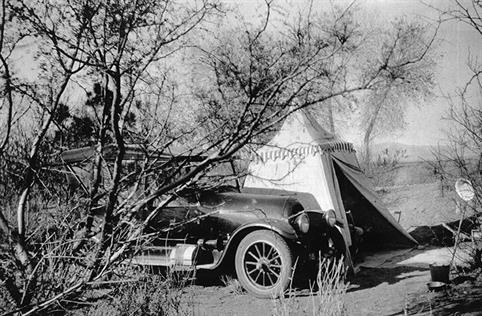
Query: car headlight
(302,222)
(330,218)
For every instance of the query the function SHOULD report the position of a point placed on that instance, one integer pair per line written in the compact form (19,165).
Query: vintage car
(261,237)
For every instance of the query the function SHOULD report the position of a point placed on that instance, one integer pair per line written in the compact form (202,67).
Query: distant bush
(383,170)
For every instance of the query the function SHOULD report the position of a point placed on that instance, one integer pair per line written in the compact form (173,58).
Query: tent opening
(377,234)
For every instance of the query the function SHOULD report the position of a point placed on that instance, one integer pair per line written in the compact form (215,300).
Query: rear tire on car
(264,264)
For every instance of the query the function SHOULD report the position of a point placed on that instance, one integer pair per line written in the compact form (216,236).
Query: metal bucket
(439,272)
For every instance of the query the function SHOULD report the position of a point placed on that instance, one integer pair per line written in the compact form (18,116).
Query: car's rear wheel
(264,263)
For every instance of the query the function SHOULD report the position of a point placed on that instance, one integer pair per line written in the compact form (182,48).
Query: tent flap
(392,228)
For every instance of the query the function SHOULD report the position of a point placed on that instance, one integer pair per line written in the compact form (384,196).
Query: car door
(184,220)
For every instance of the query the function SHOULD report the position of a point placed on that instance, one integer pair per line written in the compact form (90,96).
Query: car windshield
(210,199)
(222,177)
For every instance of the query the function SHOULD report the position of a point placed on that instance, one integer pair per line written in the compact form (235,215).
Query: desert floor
(387,283)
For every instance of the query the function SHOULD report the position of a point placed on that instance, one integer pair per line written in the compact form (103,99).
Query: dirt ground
(387,283)
(421,204)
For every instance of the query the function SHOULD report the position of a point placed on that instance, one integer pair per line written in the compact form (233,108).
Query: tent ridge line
(301,151)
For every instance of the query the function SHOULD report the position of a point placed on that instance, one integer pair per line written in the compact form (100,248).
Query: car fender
(280,227)
(340,229)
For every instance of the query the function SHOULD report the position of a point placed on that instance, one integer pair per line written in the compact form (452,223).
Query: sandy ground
(421,204)
(387,283)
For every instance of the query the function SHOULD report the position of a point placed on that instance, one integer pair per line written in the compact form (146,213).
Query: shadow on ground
(383,268)
(366,278)
(463,299)
(371,277)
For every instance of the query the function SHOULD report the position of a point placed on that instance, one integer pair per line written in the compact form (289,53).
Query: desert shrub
(327,295)
(232,284)
(6,301)
(463,159)
(151,294)
(51,242)
(383,170)
(329,299)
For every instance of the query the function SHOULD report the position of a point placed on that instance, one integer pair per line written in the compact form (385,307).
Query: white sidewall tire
(278,244)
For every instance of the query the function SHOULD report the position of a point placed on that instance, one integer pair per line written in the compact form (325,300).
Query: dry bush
(6,302)
(328,296)
(232,284)
(125,289)
(51,239)
(149,294)
(329,300)
(383,170)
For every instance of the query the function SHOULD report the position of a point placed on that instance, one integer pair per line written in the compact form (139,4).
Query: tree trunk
(94,190)
(109,221)
(330,115)
(371,125)
(368,137)
(18,236)
(8,83)
(21,254)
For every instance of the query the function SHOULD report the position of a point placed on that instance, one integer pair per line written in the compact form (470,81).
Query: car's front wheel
(264,263)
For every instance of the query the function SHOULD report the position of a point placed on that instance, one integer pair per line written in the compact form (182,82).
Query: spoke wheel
(263,263)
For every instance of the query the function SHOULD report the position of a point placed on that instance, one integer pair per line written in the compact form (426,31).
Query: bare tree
(116,42)
(463,155)
(7,77)
(465,139)
(406,51)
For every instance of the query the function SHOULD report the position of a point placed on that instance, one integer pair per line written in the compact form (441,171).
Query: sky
(425,122)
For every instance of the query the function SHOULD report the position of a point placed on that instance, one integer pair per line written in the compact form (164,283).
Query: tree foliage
(464,156)
(407,53)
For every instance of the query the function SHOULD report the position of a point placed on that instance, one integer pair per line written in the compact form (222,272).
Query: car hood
(273,206)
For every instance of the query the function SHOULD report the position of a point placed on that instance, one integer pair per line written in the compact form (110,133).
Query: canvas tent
(322,171)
